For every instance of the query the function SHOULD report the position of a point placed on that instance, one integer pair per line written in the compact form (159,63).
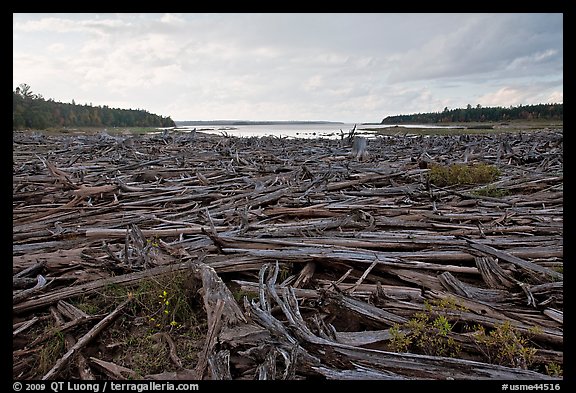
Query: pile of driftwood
(335,251)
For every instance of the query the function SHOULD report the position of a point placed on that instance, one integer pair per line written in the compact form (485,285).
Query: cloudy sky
(338,67)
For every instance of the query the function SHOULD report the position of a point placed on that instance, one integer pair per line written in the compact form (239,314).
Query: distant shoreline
(181,123)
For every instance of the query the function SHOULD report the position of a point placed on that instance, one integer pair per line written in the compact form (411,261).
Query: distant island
(249,122)
(32,111)
(482,114)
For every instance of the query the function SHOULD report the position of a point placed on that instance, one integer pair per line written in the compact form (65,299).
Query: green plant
(554,370)
(166,302)
(504,345)
(154,242)
(165,315)
(86,304)
(239,295)
(50,352)
(285,271)
(429,330)
(457,174)
(444,305)
(399,341)
(430,335)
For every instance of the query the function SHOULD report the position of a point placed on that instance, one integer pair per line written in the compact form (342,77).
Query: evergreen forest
(32,111)
(483,114)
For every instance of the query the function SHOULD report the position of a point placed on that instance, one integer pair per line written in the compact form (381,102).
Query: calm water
(279,130)
(292,130)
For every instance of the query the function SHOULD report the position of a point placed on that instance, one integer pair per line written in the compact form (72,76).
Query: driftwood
(418,366)
(304,258)
(50,298)
(84,340)
(112,370)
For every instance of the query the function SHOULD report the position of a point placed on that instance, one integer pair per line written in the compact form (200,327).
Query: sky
(348,67)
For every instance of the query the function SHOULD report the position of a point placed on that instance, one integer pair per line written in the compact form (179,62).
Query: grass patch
(240,294)
(169,304)
(491,191)
(166,303)
(50,352)
(87,304)
(460,174)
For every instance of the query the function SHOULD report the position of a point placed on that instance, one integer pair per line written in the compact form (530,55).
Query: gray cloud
(493,45)
(349,67)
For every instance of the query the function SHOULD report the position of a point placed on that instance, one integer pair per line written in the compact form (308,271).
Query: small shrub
(429,331)
(505,346)
(399,341)
(554,370)
(458,174)
(430,335)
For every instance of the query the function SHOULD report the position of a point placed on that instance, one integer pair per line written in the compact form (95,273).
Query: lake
(321,130)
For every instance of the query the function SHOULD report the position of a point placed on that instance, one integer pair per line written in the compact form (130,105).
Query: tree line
(481,114)
(32,111)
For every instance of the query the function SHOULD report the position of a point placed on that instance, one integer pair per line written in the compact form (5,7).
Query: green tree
(23,90)
(33,111)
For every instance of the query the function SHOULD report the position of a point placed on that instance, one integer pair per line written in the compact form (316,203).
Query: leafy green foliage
(480,114)
(34,112)
(431,330)
(399,341)
(427,331)
(504,345)
(554,370)
(240,294)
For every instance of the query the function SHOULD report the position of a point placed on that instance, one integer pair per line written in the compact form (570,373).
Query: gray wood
(328,250)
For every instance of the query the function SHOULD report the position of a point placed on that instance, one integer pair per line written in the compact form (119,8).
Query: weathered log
(515,260)
(85,289)
(84,191)
(452,284)
(493,275)
(119,233)
(113,370)
(363,310)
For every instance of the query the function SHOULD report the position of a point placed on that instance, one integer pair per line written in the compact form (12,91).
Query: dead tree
(359,148)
